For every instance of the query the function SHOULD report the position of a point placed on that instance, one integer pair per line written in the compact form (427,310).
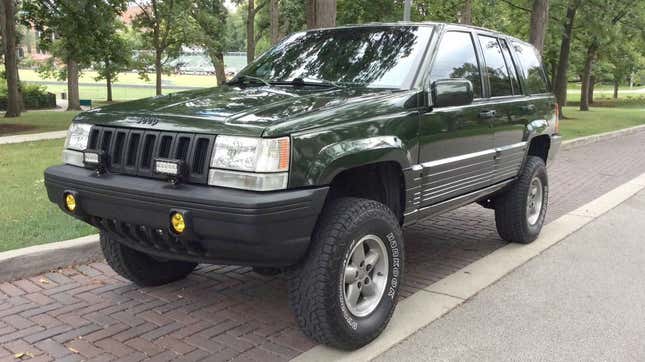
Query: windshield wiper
(242,78)
(299,82)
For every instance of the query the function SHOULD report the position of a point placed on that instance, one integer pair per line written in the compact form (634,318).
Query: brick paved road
(223,313)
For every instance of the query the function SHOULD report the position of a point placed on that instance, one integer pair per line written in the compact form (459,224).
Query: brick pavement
(227,312)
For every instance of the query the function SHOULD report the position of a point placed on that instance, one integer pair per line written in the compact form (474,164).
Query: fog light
(178,223)
(70,202)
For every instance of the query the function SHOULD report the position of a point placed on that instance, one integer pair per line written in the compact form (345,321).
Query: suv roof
(427,23)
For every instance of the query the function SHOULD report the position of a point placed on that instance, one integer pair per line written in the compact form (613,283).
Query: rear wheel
(346,289)
(141,268)
(520,211)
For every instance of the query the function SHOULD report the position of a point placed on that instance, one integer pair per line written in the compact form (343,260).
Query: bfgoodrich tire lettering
(316,285)
(511,216)
(140,268)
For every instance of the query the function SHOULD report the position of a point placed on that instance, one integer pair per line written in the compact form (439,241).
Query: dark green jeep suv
(313,158)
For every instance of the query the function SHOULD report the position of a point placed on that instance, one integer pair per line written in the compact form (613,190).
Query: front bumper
(554,149)
(224,226)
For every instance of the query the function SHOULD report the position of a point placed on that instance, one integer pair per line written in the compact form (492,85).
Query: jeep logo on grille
(149,121)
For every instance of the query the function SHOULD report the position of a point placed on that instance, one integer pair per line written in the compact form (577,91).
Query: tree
(274,15)
(539,20)
(210,20)
(320,13)
(466,16)
(162,24)
(8,31)
(72,31)
(561,79)
(600,23)
(114,57)
(251,37)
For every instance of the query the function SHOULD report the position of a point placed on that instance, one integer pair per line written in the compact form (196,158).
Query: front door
(456,143)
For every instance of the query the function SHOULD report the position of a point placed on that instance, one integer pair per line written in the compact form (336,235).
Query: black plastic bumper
(556,141)
(223,225)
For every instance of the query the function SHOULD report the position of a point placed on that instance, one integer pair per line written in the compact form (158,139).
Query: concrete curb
(582,141)
(16,264)
(429,304)
(20,138)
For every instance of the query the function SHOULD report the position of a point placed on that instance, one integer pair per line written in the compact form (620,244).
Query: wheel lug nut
(367,281)
(368,267)
(359,285)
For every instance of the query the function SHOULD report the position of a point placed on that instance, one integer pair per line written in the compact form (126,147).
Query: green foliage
(72,29)
(163,26)
(114,57)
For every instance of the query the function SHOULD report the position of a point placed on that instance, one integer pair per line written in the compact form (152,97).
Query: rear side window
(532,67)
(500,82)
(512,69)
(456,58)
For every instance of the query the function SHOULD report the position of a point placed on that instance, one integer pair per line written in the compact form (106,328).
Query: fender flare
(338,157)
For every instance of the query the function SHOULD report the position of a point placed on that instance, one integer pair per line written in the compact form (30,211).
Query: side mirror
(451,92)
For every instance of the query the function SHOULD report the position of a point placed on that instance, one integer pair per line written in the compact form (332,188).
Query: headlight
(78,136)
(258,164)
(75,143)
(251,154)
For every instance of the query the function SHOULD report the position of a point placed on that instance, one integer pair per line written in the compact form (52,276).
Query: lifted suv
(313,158)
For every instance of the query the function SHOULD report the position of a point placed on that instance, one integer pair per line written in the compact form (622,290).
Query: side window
(532,68)
(500,83)
(456,58)
(512,67)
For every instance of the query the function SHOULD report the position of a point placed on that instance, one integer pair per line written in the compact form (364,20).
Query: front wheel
(520,211)
(346,289)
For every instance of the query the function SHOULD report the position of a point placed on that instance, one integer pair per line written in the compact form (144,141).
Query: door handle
(487,114)
(529,108)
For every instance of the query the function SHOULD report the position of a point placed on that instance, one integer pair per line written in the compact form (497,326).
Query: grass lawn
(599,120)
(98,93)
(179,80)
(27,217)
(35,122)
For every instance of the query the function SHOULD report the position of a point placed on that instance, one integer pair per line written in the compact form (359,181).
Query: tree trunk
(218,63)
(8,24)
(320,13)
(275,21)
(592,87)
(467,13)
(586,76)
(616,84)
(563,63)
(539,20)
(73,97)
(250,32)
(158,72)
(108,81)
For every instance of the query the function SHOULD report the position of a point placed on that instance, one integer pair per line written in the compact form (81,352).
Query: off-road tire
(316,284)
(140,268)
(510,208)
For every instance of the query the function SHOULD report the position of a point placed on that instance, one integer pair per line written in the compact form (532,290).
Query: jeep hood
(249,111)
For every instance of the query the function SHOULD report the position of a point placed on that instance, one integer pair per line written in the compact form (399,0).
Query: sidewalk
(583,299)
(32,137)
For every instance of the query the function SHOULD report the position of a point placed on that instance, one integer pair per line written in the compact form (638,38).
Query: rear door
(456,143)
(512,108)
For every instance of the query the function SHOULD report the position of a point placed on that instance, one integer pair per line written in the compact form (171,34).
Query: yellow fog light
(178,223)
(70,202)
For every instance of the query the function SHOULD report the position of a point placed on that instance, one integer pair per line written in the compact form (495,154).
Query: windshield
(376,57)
